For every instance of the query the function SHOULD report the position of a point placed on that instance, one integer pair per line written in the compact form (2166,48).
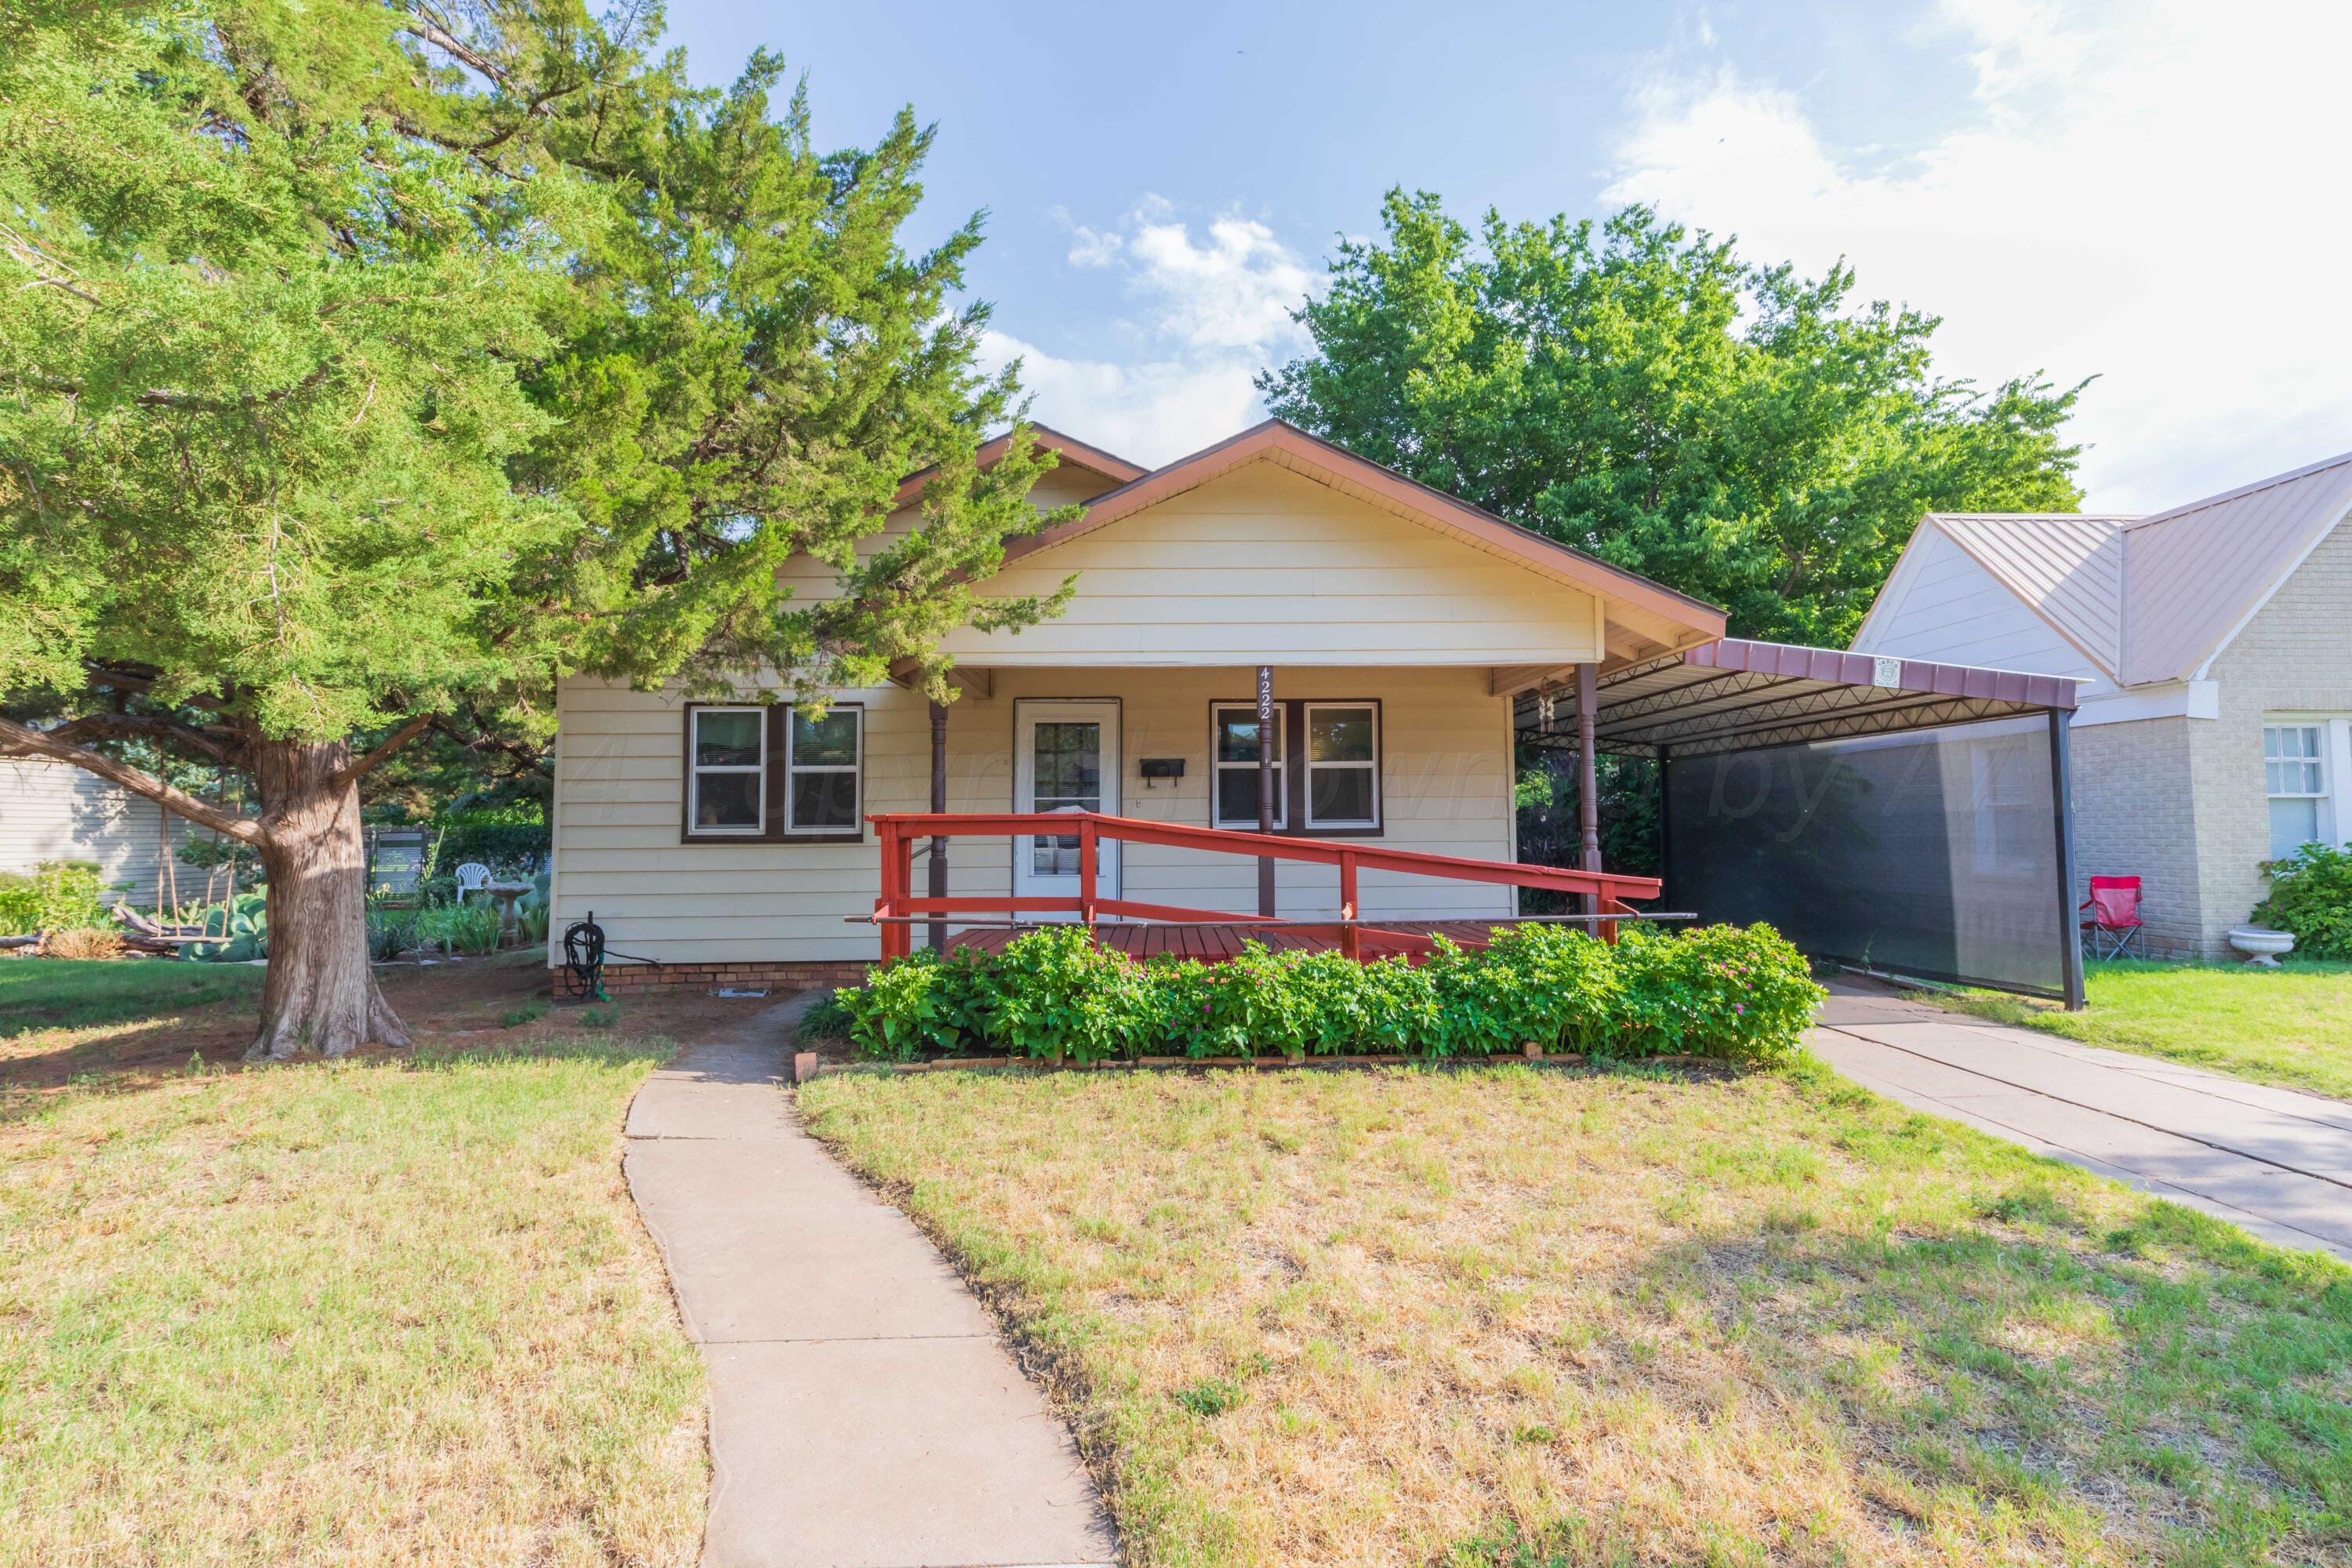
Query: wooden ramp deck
(1216,943)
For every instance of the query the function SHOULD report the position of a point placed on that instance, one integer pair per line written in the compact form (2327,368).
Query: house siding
(1446,785)
(1265,565)
(54,811)
(1944,606)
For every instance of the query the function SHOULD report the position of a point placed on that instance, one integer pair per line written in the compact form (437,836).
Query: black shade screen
(1933,853)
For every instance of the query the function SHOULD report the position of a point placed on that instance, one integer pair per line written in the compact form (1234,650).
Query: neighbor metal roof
(1735,695)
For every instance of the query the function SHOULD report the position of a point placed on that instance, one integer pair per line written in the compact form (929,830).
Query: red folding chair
(2114,926)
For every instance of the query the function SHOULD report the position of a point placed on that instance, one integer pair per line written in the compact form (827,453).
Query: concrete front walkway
(863,1412)
(2275,1162)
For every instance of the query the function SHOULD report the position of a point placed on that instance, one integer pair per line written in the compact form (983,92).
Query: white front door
(1065,757)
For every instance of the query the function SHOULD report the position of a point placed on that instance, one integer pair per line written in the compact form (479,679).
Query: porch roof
(1735,695)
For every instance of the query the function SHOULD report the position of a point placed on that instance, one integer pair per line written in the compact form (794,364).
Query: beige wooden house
(1396,626)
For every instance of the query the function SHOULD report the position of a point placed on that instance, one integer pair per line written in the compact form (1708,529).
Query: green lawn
(2291,1026)
(1527,1317)
(395,1311)
(66,992)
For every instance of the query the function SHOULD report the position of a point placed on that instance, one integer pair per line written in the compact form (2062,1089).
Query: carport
(1891,814)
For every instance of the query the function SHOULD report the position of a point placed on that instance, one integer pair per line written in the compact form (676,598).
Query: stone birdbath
(505,894)
(2260,944)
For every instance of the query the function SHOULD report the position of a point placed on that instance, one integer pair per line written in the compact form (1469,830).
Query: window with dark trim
(1326,765)
(1233,767)
(727,772)
(825,769)
(776,774)
(1343,765)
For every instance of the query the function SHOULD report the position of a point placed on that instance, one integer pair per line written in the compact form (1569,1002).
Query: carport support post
(1588,775)
(2062,803)
(938,861)
(1265,722)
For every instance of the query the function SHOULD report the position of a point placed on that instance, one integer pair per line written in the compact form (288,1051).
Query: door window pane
(1066,762)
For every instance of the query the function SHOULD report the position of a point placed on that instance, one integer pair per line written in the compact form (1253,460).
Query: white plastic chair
(472,878)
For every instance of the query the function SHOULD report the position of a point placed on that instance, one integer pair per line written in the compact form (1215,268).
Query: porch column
(939,862)
(2070,917)
(1588,773)
(1265,732)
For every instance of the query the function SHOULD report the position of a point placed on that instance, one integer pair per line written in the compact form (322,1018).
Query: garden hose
(583,959)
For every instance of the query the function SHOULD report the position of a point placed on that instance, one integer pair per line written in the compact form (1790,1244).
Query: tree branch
(22,740)
(143,728)
(353,773)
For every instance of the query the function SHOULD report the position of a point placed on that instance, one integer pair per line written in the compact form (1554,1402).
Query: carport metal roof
(1734,695)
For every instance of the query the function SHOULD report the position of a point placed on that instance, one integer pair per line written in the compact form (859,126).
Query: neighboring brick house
(2213,642)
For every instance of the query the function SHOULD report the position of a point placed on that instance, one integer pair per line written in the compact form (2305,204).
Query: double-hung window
(823,762)
(727,776)
(1235,758)
(783,773)
(1326,758)
(1343,765)
(2294,776)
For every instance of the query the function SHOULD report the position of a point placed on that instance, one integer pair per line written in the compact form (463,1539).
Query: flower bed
(1735,994)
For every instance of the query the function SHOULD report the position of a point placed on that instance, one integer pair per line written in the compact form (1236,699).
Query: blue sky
(2148,190)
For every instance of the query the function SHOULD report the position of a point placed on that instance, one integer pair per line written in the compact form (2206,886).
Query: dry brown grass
(392,1311)
(82,941)
(1534,1318)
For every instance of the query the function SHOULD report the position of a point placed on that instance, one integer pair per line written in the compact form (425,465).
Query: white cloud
(2149,191)
(1209,310)
(1150,411)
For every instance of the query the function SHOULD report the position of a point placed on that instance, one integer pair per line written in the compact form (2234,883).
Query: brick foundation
(634,979)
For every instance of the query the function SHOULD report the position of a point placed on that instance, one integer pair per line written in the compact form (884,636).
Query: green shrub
(60,894)
(390,932)
(2311,895)
(1055,995)
(1744,995)
(238,930)
(465,928)
(827,1019)
(1722,992)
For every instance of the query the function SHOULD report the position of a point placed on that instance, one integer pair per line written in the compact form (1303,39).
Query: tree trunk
(319,991)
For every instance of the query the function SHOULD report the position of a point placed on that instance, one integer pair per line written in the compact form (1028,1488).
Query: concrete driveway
(2273,1161)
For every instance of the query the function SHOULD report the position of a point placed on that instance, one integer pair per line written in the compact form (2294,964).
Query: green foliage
(1054,994)
(1744,994)
(2311,895)
(470,928)
(508,842)
(393,932)
(1740,432)
(239,930)
(827,1019)
(60,894)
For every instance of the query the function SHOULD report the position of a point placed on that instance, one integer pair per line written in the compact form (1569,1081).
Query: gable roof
(2154,598)
(1073,454)
(1656,616)
(2196,575)
(2069,568)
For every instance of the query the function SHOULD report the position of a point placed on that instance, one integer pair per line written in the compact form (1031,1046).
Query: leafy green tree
(365,365)
(1744,435)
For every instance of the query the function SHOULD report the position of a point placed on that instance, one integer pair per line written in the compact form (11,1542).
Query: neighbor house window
(727,750)
(2296,780)
(1343,770)
(824,764)
(1235,766)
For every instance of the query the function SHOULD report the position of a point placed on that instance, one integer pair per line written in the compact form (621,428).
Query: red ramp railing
(900,908)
